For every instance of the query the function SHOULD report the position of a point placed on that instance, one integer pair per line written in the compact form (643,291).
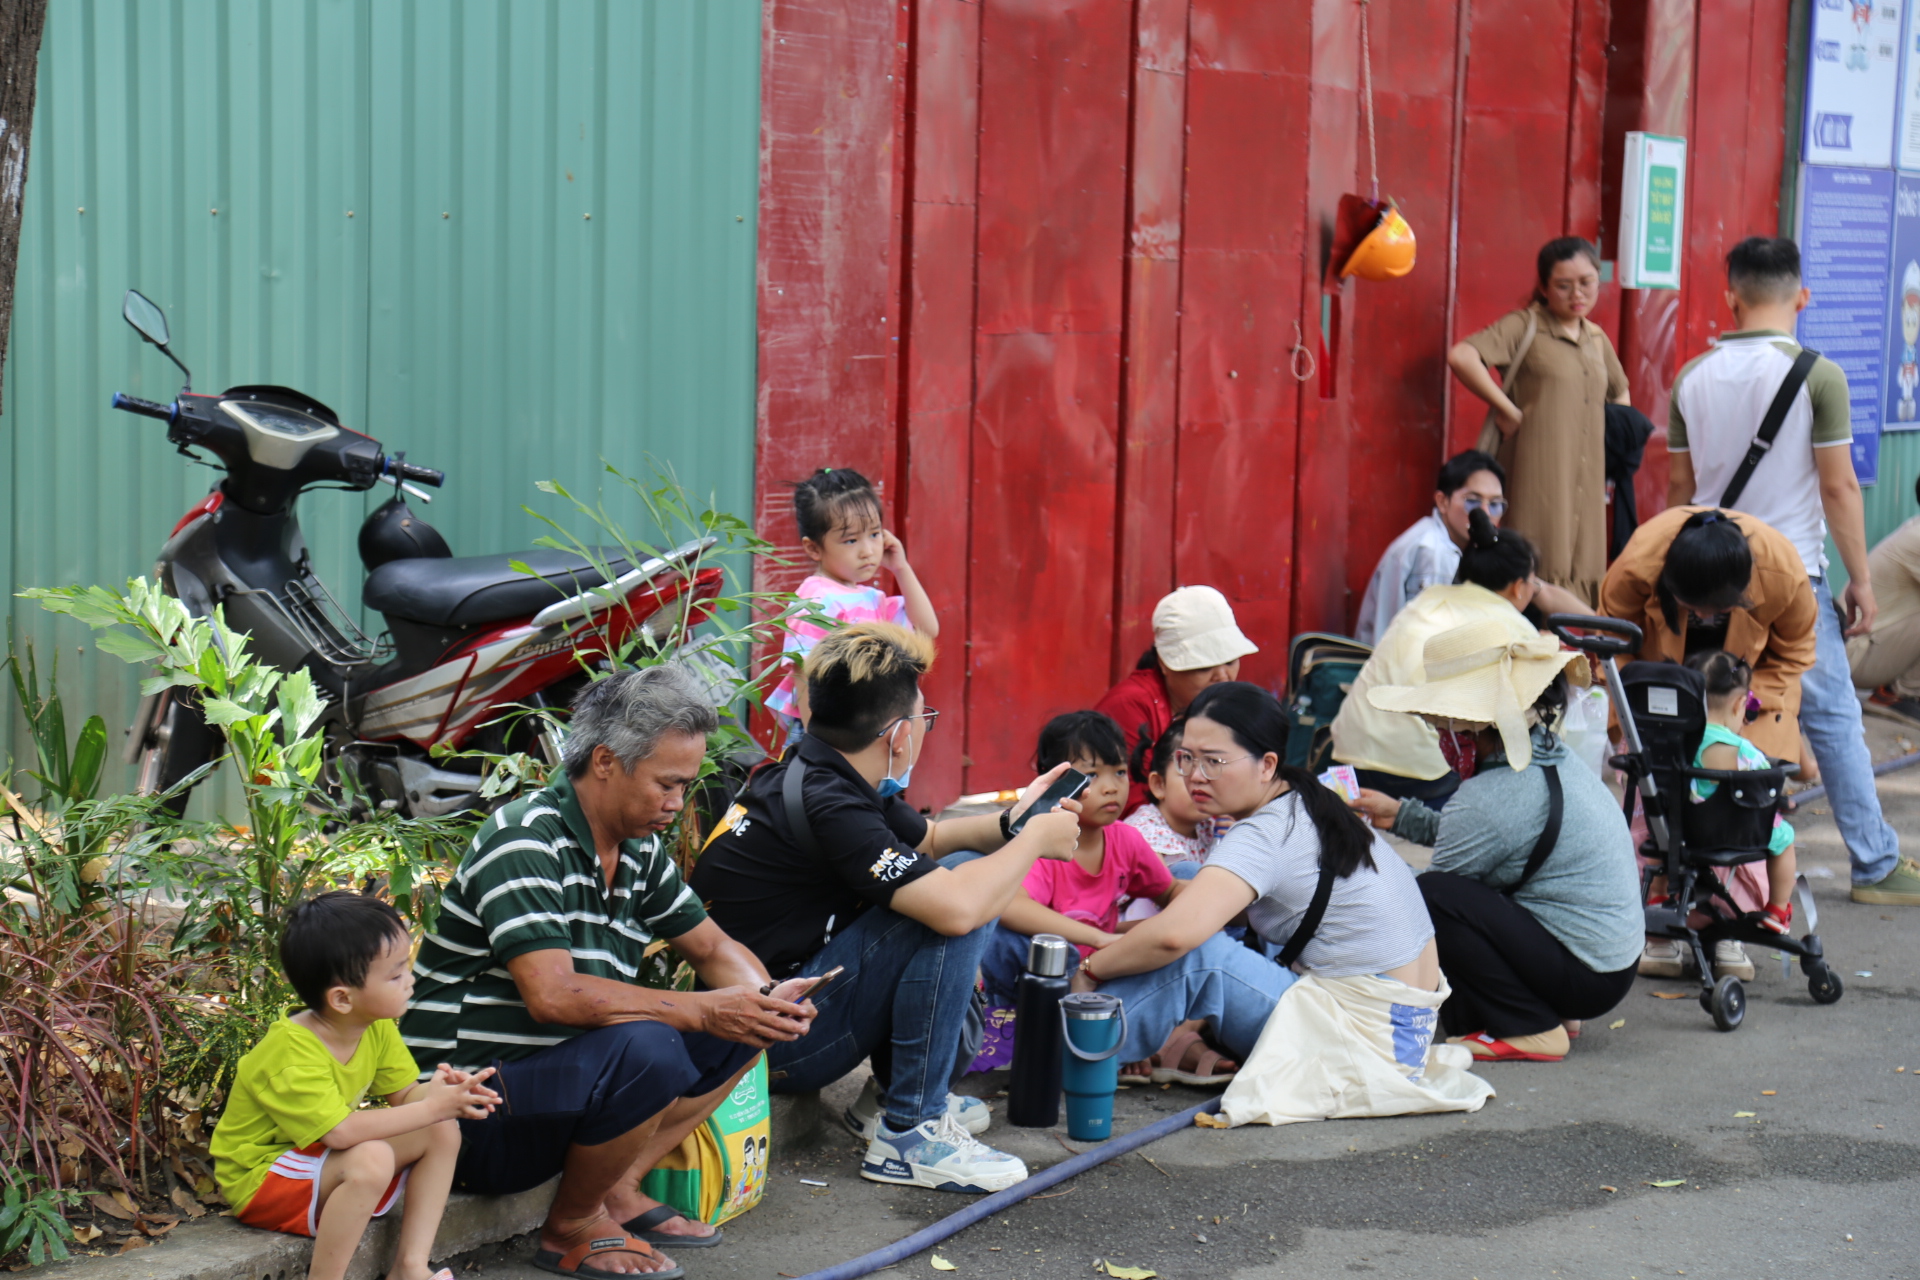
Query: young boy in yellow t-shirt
(294,1151)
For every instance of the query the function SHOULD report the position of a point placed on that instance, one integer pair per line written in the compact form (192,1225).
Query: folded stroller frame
(1662,711)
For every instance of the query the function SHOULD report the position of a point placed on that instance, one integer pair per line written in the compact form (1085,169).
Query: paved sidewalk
(1515,1191)
(1822,1180)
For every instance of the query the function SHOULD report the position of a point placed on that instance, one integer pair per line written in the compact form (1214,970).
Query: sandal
(642,1228)
(574,1261)
(1138,1072)
(1208,1067)
(1485,1048)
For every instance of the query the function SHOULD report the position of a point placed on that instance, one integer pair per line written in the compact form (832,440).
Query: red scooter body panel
(496,668)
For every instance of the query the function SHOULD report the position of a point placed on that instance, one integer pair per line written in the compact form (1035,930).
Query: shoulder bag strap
(1310,922)
(792,793)
(1770,425)
(1520,352)
(1550,836)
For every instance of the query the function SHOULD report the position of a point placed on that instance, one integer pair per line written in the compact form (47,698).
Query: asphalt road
(1550,1179)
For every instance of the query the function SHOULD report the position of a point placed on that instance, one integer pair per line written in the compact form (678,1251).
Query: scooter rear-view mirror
(150,322)
(147,319)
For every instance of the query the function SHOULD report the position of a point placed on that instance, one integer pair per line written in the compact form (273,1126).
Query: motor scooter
(475,649)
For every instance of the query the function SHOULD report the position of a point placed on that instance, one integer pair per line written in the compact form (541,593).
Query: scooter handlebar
(149,408)
(407,471)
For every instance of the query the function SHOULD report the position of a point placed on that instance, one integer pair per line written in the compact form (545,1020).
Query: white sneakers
(862,1119)
(1730,957)
(940,1154)
(1666,958)
(1663,958)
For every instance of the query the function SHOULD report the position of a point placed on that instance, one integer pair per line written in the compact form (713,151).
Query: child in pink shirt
(843,532)
(1080,899)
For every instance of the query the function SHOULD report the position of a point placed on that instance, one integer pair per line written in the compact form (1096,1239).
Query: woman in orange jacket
(1695,578)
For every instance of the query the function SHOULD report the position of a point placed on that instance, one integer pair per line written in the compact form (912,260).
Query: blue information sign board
(1846,235)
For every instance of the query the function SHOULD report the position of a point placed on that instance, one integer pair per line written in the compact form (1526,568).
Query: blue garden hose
(953,1223)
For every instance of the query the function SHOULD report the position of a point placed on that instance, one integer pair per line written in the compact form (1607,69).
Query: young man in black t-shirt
(862,886)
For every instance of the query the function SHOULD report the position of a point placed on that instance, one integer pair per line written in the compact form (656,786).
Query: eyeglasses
(927,717)
(1495,507)
(1204,767)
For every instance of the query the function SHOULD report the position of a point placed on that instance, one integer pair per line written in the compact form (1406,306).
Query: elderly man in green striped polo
(532,970)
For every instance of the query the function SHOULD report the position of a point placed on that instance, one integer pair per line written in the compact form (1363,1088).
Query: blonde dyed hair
(862,678)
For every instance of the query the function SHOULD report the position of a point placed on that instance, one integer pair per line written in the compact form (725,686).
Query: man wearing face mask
(821,864)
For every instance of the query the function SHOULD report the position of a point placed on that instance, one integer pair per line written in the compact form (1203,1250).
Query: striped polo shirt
(530,882)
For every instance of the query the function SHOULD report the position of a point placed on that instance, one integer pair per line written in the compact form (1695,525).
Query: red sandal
(1485,1048)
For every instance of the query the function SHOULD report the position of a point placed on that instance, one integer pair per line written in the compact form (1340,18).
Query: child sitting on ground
(1173,826)
(1728,680)
(842,530)
(1080,899)
(294,1151)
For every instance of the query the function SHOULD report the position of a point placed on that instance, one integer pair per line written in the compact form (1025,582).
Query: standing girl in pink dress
(842,530)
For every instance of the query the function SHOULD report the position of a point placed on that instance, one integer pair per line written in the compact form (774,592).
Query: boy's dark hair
(1156,756)
(1462,467)
(831,497)
(861,679)
(1723,672)
(1068,737)
(332,941)
(1555,252)
(1494,558)
(1764,269)
(1258,724)
(1709,566)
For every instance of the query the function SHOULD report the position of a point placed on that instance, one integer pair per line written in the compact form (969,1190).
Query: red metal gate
(1049,272)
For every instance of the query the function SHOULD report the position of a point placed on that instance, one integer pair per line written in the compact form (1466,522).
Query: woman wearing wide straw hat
(1528,955)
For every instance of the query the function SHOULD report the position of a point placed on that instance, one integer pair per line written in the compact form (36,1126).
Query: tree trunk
(21,22)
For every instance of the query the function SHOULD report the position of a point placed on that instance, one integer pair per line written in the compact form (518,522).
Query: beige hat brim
(1208,649)
(1499,693)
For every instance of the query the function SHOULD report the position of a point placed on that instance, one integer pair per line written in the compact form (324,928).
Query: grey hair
(629,712)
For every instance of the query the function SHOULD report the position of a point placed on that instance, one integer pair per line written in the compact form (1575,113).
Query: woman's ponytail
(1494,558)
(1259,725)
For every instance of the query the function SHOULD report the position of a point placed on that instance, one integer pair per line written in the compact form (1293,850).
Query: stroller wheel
(1824,985)
(1727,1003)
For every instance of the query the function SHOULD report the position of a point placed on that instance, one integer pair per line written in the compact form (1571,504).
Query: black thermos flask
(1033,1095)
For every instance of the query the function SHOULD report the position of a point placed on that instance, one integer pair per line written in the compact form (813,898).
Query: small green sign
(1663,182)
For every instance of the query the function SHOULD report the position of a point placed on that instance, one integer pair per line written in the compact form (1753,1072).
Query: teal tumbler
(1095,1025)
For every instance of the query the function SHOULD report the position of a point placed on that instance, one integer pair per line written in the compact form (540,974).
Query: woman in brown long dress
(1550,406)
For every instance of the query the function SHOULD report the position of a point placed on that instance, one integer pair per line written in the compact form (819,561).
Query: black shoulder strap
(1310,922)
(1550,835)
(795,798)
(1770,425)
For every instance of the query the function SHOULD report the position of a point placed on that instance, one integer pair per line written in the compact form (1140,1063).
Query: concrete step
(222,1249)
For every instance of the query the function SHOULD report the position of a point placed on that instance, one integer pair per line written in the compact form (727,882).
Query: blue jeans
(1005,958)
(1220,981)
(905,995)
(1830,717)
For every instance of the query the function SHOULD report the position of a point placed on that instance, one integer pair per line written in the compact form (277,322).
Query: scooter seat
(466,591)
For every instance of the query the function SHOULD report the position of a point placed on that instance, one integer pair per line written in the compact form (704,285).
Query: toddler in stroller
(1700,820)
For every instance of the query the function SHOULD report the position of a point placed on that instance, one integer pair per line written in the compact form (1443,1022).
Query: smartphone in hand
(1067,786)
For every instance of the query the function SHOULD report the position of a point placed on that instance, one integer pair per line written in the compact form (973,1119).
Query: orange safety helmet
(1384,253)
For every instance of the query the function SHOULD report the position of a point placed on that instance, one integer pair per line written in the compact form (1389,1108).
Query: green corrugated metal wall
(508,236)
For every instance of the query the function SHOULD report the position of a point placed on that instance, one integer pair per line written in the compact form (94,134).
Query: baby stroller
(1662,712)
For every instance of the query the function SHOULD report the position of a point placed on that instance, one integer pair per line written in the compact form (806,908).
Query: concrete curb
(222,1249)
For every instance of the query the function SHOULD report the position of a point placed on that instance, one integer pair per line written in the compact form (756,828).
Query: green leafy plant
(716,635)
(31,1222)
(65,774)
(238,881)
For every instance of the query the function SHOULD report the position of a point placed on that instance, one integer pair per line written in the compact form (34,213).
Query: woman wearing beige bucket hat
(1533,891)
(1196,642)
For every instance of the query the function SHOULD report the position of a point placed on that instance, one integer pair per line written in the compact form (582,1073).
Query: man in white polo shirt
(1803,485)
